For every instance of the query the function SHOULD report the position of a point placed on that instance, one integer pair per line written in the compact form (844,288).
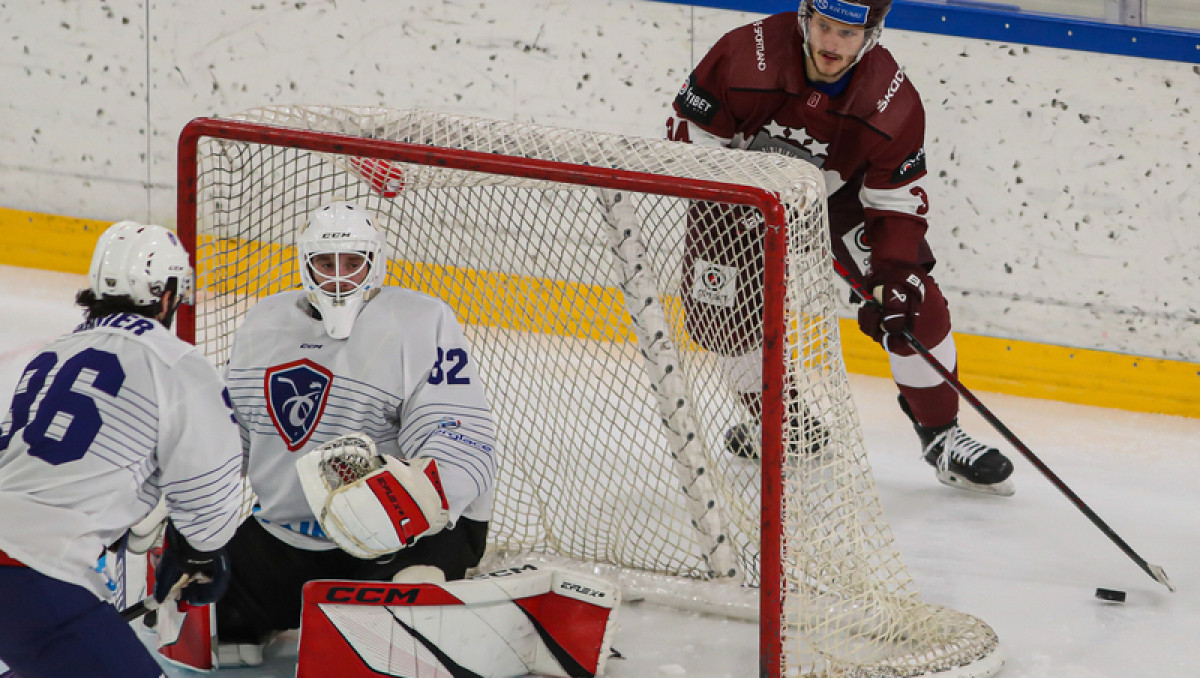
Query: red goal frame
(775,248)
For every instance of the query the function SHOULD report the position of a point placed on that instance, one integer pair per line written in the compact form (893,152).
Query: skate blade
(1004,488)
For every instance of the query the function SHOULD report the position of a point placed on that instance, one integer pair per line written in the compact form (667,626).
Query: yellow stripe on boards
(524,303)
(1033,370)
(48,241)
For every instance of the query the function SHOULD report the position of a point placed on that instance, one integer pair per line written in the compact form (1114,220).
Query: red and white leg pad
(500,625)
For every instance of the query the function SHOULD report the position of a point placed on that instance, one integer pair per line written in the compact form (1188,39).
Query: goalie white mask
(140,261)
(342,264)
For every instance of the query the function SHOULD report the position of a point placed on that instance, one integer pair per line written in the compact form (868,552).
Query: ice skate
(745,439)
(961,461)
(234,654)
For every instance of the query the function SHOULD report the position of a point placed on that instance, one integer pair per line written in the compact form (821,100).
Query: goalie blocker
(498,625)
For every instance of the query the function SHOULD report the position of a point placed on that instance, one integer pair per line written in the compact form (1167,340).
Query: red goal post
(832,597)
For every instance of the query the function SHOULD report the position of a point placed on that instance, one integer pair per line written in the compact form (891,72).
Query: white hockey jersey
(405,377)
(104,421)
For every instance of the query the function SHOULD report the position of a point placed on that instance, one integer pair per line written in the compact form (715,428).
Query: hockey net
(562,252)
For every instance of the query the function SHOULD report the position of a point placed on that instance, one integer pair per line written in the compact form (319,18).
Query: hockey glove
(898,292)
(208,571)
(372,505)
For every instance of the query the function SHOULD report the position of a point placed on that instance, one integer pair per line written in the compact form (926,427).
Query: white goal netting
(574,260)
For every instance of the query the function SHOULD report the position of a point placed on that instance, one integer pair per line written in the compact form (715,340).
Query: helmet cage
(336,229)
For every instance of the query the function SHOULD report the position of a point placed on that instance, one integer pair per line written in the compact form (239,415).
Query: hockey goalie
(498,625)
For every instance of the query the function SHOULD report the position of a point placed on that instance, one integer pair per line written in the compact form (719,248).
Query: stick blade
(1160,576)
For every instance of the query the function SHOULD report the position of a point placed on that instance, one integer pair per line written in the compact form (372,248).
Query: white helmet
(336,228)
(139,261)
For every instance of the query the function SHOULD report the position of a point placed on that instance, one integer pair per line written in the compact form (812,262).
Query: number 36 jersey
(104,422)
(405,377)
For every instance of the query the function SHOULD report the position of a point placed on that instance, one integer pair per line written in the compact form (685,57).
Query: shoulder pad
(763,53)
(881,94)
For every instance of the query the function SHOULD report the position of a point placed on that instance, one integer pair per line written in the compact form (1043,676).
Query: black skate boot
(745,439)
(960,460)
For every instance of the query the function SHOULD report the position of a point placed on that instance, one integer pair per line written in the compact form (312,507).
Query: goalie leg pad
(500,625)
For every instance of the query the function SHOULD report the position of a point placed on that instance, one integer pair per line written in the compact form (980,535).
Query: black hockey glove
(899,291)
(209,571)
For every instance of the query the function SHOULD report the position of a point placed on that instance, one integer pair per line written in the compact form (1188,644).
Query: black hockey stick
(139,608)
(1156,572)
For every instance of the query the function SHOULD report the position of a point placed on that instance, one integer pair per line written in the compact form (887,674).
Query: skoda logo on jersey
(845,12)
(296,397)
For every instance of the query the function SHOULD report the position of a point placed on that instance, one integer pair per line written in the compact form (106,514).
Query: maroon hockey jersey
(750,90)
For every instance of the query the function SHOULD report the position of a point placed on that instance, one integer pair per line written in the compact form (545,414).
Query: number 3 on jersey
(449,366)
(67,419)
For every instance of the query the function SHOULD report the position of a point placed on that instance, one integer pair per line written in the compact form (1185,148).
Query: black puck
(1111,595)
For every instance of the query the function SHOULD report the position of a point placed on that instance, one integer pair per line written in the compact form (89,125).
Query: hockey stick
(139,608)
(1156,572)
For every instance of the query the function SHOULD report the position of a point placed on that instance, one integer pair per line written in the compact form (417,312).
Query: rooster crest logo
(296,396)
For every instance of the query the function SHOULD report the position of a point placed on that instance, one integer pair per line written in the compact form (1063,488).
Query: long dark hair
(99,307)
(108,305)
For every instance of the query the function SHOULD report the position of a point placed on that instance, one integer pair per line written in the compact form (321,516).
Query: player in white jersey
(105,422)
(343,356)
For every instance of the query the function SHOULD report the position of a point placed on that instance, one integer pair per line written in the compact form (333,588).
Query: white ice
(1028,565)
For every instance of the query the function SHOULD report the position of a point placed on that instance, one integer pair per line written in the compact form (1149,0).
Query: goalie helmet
(142,262)
(867,14)
(341,228)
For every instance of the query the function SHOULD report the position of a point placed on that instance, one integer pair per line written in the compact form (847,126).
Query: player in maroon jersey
(815,84)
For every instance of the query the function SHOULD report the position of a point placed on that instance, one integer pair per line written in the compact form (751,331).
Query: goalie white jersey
(405,377)
(104,421)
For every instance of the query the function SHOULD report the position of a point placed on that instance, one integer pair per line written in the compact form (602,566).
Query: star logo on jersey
(296,397)
(814,151)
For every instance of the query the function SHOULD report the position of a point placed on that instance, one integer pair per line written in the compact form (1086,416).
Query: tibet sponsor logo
(894,87)
(696,104)
(714,284)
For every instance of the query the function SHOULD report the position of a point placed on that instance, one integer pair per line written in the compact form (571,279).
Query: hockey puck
(1111,595)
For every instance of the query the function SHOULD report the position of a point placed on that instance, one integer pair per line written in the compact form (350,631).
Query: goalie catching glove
(369,504)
